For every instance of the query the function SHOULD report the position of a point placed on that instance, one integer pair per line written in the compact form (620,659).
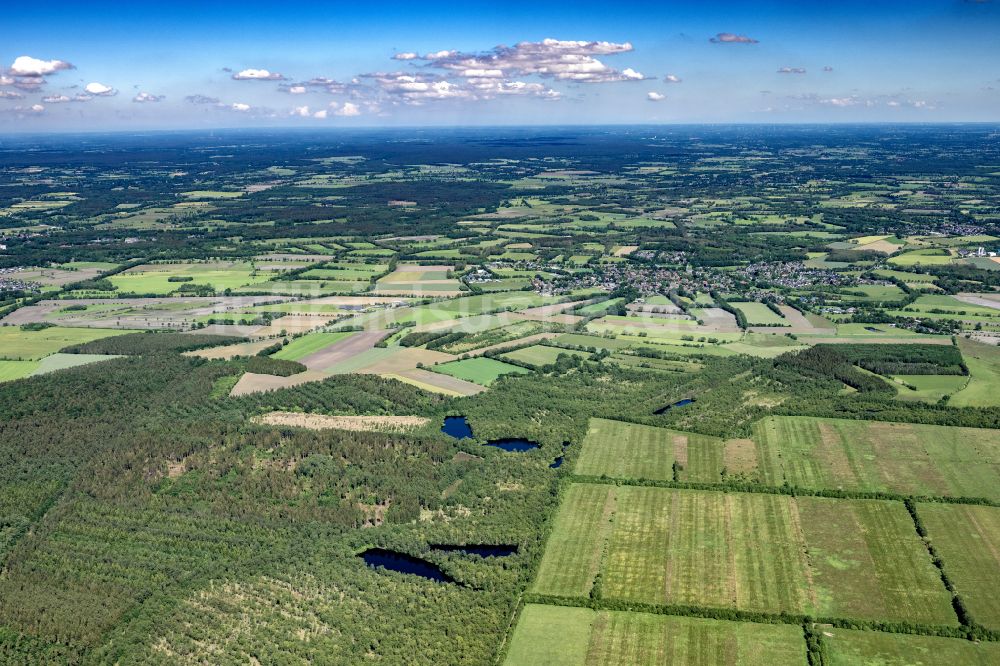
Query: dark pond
(513,444)
(482,550)
(457,427)
(403,563)
(679,403)
(557,462)
(872,329)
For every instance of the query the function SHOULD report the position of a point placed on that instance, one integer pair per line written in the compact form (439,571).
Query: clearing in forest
(356,423)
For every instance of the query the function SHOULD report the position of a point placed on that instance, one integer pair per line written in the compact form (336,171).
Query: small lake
(482,550)
(679,403)
(557,462)
(513,444)
(403,563)
(457,427)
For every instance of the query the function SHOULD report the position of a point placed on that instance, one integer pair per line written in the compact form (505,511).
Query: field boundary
(972,633)
(792,491)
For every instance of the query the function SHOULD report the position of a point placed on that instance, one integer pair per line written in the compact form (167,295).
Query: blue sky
(68,66)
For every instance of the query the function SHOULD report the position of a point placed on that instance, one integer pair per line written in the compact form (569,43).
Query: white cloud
(301,111)
(672,78)
(258,75)
(409,55)
(201,99)
(296,90)
(566,60)
(321,114)
(10,94)
(791,70)
(732,38)
(348,110)
(145,97)
(240,106)
(33,110)
(100,89)
(654,96)
(28,66)
(63,99)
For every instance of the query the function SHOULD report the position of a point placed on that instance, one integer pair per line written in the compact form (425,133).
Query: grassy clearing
(630,451)
(11,370)
(55,362)
(754,552)
(20,345)
(983,389)
(482,371)
(967,537)
(872,456)
(846,647)
(578,636)
(928,388)
(299,348)
(539,355)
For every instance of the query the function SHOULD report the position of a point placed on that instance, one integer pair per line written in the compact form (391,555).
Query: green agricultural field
(480,370)
(20,345)
(155,278)
(928,257)
(754,552)
(599,307)
(847,647)
(967,537)
(878,456)
(586,341)
(562,635)
(630,451)
(983,389)
(573,552)
(55,362)
(539,355)
(758,314)
(11,370)
(308,344)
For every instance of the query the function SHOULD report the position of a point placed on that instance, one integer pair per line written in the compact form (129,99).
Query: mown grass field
(480,370)
(573,553)
(631,451)
(567,636)
(983,389)
(758,314)
(879,456)
(539,355)
(55,362)
(155,278)
(754,552)
(11,370)
(846,647)
(929,388)
(299,348)
(20,345)
(967,537)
